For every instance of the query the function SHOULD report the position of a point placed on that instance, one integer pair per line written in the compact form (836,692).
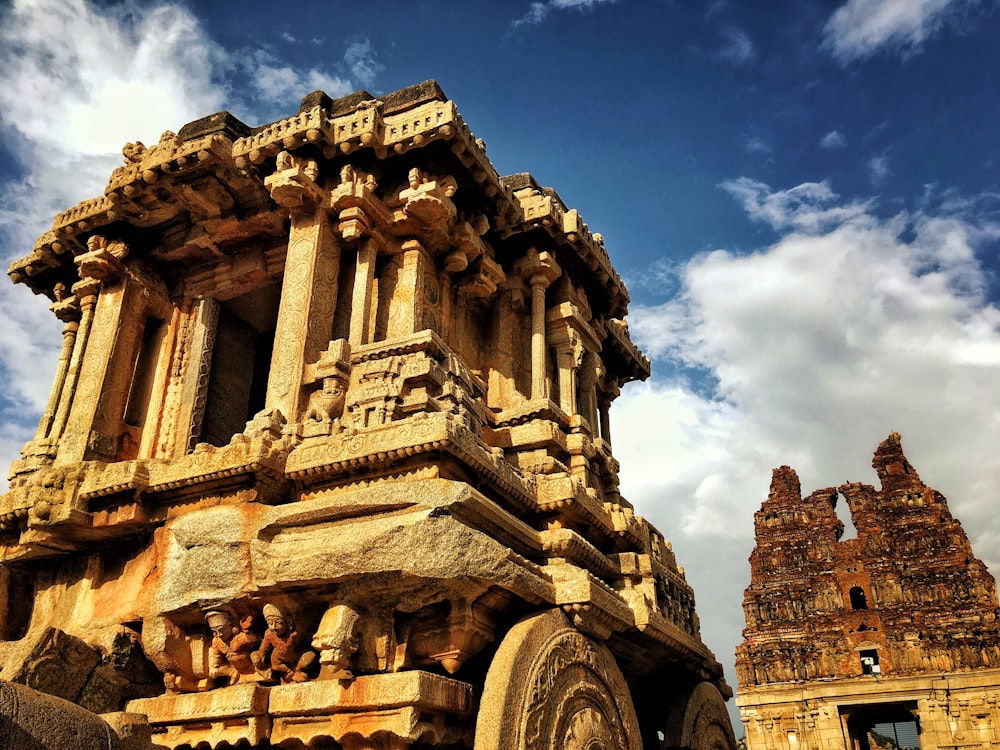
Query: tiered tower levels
(833,624)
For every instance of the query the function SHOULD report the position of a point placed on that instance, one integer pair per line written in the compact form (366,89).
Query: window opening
(869,662)
(843,511)
(144,373)
(902,733)
(858,598)
(241,363)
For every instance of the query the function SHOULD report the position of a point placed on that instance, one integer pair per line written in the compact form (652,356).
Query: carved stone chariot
(327,459)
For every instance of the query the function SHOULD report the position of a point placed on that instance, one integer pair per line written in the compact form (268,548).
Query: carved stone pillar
(539,269)
(197,368)
(608,394)
(68,311)
(309,287)
(419,289)
(588,390)
(567,360)
(86,291)
(361,305)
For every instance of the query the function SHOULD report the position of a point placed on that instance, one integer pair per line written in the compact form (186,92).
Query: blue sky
(804,199)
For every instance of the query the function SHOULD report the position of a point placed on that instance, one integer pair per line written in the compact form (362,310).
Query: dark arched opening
(858,598)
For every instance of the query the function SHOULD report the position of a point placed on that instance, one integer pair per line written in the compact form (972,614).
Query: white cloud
(815,348)
(281,85)
(362,62)
(833,139)
(539,11)
(861,28)
(878,169)
(809,207)
(754,145)
(737,47)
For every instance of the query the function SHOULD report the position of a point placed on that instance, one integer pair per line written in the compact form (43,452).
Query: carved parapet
(320,461)
(542,208)
(254,462)
(374,711)
(362,128)
(312,126)
(14,508)
(103,480)
(84,217)
(220,716)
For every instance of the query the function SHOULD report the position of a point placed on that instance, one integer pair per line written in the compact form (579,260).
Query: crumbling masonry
(899,624)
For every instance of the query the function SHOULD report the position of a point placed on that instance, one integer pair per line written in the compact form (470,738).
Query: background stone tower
(899,624)
(327,460)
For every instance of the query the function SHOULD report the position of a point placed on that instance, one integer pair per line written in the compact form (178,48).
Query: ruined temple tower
(899,625)
(327,460)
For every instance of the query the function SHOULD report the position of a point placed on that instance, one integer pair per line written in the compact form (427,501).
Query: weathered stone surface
(891,618)
(33,720)
(331,416)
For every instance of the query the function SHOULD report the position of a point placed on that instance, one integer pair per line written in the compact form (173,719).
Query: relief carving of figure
(232,647)
(337,639)
(282,651)
(326,404)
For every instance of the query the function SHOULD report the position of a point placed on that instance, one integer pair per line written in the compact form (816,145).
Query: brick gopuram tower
(899,625)
(327,460)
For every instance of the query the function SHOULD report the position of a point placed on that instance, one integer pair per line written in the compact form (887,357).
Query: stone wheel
(552,688)
(702,722)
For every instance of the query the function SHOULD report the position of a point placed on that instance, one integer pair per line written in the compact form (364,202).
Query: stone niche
(896,625)
(327,460)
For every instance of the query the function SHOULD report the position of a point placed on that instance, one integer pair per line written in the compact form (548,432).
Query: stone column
(305,316)
(69,312)
(606,396)
(309,286)
(539,269)
(86,291)
(407,314)
(588,391)
(566,356)
(361,304)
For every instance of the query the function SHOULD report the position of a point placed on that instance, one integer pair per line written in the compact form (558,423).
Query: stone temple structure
(897,625)
(327,460)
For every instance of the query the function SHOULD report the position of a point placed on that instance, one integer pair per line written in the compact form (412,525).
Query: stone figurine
(282,650)
(232,647)
(337,639)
